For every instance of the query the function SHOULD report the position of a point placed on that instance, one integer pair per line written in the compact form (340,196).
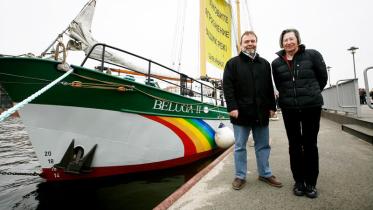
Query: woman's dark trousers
(302,127)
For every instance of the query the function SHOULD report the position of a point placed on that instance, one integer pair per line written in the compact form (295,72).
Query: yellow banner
(215,35)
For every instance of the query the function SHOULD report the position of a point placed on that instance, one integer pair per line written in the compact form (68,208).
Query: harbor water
(135,191)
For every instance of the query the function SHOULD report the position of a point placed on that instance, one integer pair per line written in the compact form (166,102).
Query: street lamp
(329,67)
(353,49)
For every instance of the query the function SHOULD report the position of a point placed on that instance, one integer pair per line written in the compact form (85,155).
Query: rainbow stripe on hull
(196,135)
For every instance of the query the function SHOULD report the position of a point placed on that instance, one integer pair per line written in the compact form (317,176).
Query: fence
(343,97)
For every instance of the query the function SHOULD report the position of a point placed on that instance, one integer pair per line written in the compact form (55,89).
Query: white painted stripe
(122,138)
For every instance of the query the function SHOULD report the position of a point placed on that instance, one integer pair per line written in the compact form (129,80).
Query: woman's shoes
(311,191)
(300,189)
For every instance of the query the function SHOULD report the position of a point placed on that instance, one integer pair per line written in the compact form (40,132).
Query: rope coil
(57,52)
(76,84)
(121,89)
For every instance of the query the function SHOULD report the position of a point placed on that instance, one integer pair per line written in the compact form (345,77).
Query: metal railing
(368,100)
(184,89)
(343,97)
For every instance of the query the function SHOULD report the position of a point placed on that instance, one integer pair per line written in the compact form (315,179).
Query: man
(249,94)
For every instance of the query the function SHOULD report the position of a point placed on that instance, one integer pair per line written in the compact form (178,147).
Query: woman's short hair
(296,33)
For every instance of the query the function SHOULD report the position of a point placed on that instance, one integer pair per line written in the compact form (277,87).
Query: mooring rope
(15,108)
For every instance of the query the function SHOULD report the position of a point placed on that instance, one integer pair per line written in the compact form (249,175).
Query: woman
(300,75)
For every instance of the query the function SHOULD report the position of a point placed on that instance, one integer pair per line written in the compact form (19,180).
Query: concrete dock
(345,179)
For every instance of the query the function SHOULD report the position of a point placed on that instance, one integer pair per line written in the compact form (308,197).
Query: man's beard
(250,52)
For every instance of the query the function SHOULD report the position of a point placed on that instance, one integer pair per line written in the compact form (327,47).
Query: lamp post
(353,50)
(329,67)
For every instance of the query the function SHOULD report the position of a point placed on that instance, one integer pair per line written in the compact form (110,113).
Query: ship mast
(238,26)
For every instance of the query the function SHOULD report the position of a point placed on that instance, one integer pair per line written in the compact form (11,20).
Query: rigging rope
(249,16)
(99,85)
(10,111)
(178,41)
(15,75)
(134,87)
(182,37)
(237,36)
(233,19)
(176,35)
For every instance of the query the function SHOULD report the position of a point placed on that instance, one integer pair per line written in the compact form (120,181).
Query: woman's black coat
(301,83)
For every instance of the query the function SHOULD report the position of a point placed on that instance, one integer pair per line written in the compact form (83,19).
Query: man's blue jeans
(262,149)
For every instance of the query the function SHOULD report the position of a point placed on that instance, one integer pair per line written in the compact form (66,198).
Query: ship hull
(117,126)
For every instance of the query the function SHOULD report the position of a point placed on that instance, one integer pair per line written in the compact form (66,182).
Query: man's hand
(272,113)
(234,113)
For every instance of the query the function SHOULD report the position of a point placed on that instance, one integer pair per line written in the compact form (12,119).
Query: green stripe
(129,101)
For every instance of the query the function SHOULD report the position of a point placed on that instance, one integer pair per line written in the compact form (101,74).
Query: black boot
(311,191)
(299,189)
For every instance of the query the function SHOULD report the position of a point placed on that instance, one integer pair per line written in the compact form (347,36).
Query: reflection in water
(133,191)
(17,155)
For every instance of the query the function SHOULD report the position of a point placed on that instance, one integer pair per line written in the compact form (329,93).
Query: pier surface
(345,179)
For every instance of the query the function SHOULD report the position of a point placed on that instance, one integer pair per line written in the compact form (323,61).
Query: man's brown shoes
(238,183)
(271,181)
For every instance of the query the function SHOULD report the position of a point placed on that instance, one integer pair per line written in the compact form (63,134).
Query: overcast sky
(147,27)
(329,26)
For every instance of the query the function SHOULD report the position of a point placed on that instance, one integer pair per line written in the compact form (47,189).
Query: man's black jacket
(247,86)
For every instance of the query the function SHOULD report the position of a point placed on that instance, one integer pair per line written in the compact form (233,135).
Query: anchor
(74,162)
